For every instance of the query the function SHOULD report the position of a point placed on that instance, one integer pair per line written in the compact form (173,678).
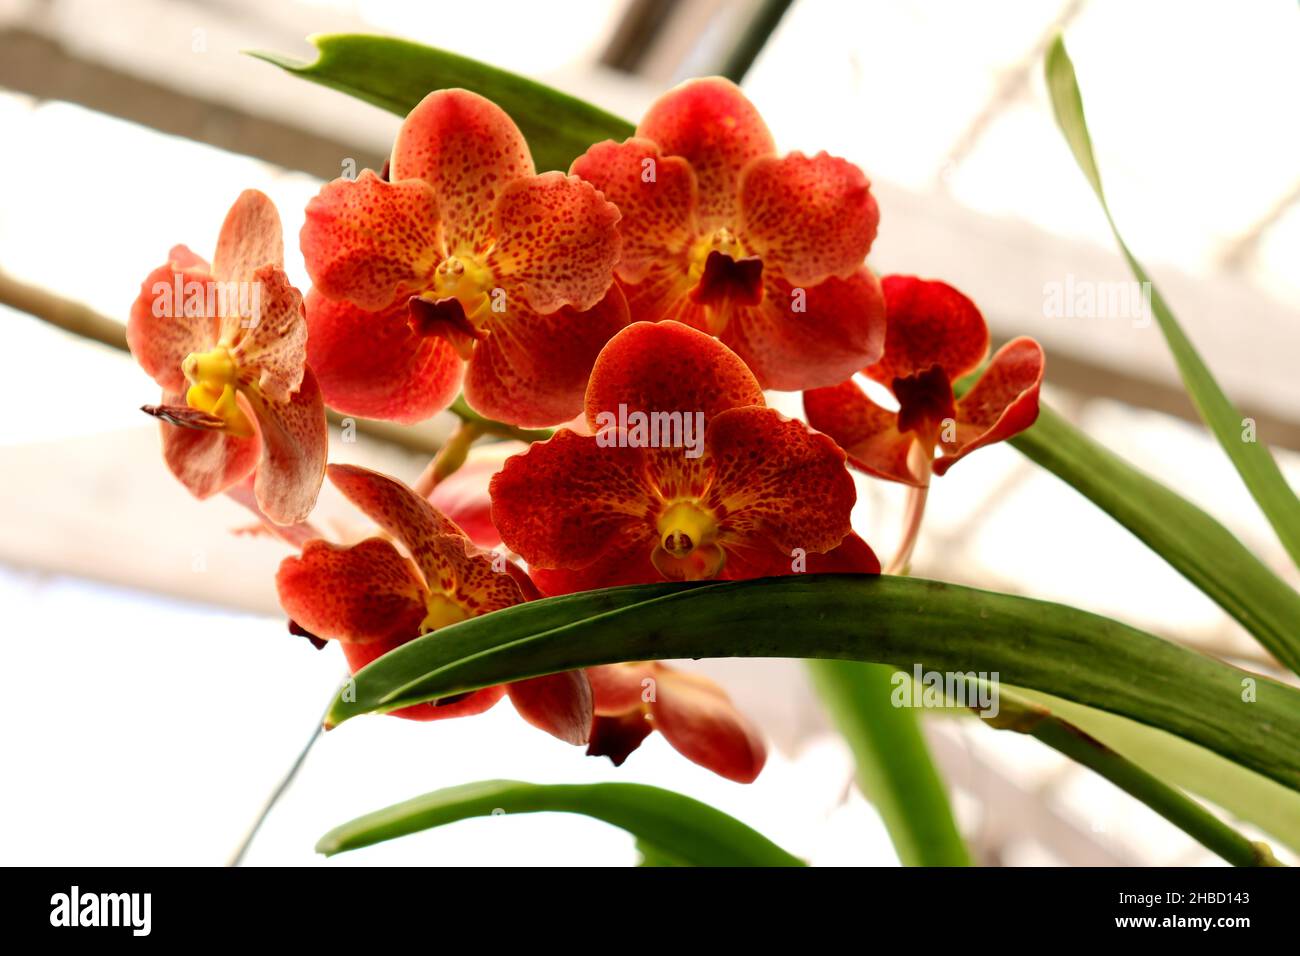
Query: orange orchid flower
(463,263)
(227,344)
(760,494)
(935,336)
(765,252)
(371,598)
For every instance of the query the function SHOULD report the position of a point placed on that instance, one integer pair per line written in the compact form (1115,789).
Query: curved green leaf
(1194,544)
(1021,715)
(1244,794)
(672,829)
(396,74)
(1252,459)
(1034,644)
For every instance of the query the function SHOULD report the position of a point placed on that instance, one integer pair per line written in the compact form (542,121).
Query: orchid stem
(460,408)
(449,457)
(237,858)
(913,516)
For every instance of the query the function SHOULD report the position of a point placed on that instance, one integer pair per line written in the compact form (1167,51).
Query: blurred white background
(152,695)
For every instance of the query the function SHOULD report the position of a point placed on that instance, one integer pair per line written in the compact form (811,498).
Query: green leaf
(1252,459)
(673,829)
(903,621)
(1194,544)
(1018,713)
(396,74)
(894,768)
(1242,793)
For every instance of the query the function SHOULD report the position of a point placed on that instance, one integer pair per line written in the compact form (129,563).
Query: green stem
(1171,803)
(460,408)
(448,459)
(280,789)
(894,767)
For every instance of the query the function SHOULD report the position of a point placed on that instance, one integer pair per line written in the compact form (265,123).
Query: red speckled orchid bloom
(720,233)
(693,713)
(466,262)
(371,598)
(760,494)
(227,343)
(935,336)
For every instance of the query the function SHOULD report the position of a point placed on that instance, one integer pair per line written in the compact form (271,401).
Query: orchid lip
(925,400)
(728,281)
(446,318)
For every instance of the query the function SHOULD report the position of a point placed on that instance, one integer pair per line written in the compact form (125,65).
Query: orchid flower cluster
(643,303)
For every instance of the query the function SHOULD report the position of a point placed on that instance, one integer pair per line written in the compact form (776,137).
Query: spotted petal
(364,593)
(710,124)
(161,331)
(250,238)
(371,242)
(373,365)
(294,442)
(445,556)
(568,503)
(469,151)
(808,217)
(206,461)
(667,367)
(799,338)
(867,432)
(557,241)
(1002,404)
(532,369)
(929,323)
(270,346)
(655,193)
(613,568)
(851,556)
(777,483)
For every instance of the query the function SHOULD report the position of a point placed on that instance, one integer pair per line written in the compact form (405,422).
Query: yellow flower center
(214,379)
(466,279)
(441,611)
(687,549)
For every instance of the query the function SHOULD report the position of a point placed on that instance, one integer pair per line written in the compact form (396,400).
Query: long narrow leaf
(1243,794)
(1034,644)
(396,74)
(894,767)
(672,827)
(1020,715)
(1194,544)
(1252,459)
